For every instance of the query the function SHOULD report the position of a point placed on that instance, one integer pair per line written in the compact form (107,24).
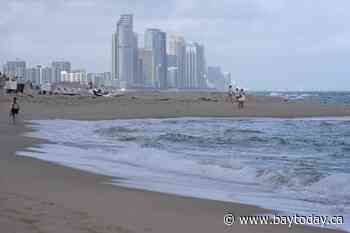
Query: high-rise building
(176,48)
(107,78)
(38,75)
(145,55)
(172,76)
(136,81)
(171,60)
(34,75)
(196,71)
(46,73)
(100,79)
(16,69)
(139,82)
(57,68)
(30,75)
(155,40)
(115,56)
(124,52)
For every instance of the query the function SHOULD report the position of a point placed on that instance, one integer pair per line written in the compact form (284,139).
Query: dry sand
(38,196)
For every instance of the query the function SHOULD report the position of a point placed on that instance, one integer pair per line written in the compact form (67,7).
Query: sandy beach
(38,196)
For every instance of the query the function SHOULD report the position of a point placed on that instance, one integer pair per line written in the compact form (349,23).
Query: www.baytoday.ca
(290,220)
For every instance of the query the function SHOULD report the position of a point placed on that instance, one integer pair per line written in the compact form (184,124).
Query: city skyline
(133,65)
(148,65)
(262,43)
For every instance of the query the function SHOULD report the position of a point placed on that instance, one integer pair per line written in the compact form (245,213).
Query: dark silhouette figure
(14,110)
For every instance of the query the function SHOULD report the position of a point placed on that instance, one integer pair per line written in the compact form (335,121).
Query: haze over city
(284,45)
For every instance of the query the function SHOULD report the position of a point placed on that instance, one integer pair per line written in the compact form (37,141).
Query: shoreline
(82,201)
(105,180)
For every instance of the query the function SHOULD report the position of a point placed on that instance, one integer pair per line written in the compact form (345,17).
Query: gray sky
(266,44)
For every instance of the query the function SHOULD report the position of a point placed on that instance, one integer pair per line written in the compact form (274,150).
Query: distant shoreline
(169,104)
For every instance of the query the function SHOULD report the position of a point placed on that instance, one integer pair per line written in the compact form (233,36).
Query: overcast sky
(265,44)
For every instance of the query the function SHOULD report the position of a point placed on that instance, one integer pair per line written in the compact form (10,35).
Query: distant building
(16,69)
(155,40)
(46,73)
(108,81)
(139,81)
(196,71)
(176,49)
(34,75)
(57,68)
(100,79)
(227,78)
(76,76)
(171,60)
(172,76)
(217,79)
(124,52)
(146,56)
(30,75)
(115,59)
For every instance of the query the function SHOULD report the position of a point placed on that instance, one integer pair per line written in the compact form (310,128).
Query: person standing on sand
(20,85)
(14,110)
(230,94)
(237,94)
(241,99)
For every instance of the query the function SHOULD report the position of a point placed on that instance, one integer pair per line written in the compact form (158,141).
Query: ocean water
(292,165)
(321,97)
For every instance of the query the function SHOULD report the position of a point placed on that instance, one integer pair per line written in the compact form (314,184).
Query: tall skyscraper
(176,46)
(146,56)
(136,79)
(139,82)
(124,54)
(16,69)
(115,57)
(57,68)
(155,40)
(196,71)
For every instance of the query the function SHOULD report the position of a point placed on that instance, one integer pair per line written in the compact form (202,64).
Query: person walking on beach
(237,94)
(14,110)
(241,99)
(20,85)
(230,94)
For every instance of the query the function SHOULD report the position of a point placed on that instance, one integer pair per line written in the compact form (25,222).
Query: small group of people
(238,95)
(12,84)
